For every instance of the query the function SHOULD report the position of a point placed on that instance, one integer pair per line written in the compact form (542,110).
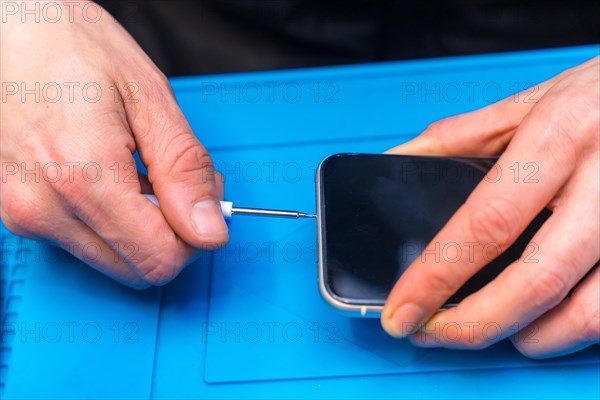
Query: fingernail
(408,147)
(404,321)
(418,145)
(207,218)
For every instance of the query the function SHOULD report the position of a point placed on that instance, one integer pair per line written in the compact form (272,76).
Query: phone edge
(363,310)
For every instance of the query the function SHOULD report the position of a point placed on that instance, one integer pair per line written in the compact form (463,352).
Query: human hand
(78,99)
(554,142)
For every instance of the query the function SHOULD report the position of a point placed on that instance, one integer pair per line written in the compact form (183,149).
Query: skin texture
(555,141)
(84,189)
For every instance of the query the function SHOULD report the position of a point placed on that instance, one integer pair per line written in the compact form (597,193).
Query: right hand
(68,174)
(548,300)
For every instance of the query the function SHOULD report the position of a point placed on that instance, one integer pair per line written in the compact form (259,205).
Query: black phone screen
(378,213)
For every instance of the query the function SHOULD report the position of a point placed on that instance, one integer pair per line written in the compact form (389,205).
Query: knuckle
(439,126)
(158,276)
(160,271)
(495,223)
(590,329)
(19,213)
(12,226)
(548,288)
(441,282)
(162,266)
(438,131)
(188,157)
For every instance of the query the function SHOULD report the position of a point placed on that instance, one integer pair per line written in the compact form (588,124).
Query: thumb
(486,131)
(179,168)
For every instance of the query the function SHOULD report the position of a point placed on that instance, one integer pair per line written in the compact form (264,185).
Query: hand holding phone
(378,213)
(550,159)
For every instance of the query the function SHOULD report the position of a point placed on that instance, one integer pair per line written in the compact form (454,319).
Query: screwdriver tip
(304,215)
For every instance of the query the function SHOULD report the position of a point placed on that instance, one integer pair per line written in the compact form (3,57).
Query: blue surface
(198,336)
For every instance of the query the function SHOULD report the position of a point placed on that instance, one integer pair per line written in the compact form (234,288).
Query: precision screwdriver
(229,210)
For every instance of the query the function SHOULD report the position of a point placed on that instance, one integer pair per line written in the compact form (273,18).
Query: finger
(495,213)
(19,210)
(486,131)
(91,249)
(572,326)
(548,269)
(45,219)
(108,199)
(179,167)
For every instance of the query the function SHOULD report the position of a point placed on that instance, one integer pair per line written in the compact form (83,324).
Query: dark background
(186,37)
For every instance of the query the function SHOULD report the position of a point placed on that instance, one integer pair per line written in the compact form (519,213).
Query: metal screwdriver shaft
(270,213)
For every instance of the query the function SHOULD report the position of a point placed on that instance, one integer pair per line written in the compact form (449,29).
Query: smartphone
(377,212)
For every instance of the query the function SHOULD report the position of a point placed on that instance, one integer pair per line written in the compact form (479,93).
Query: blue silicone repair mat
(68,331)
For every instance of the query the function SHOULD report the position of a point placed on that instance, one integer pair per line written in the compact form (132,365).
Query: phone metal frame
(364,310)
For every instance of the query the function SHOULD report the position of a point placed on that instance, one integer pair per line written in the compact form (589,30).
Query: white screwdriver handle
(226,206)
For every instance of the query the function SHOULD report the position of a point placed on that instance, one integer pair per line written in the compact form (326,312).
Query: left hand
(558,137)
